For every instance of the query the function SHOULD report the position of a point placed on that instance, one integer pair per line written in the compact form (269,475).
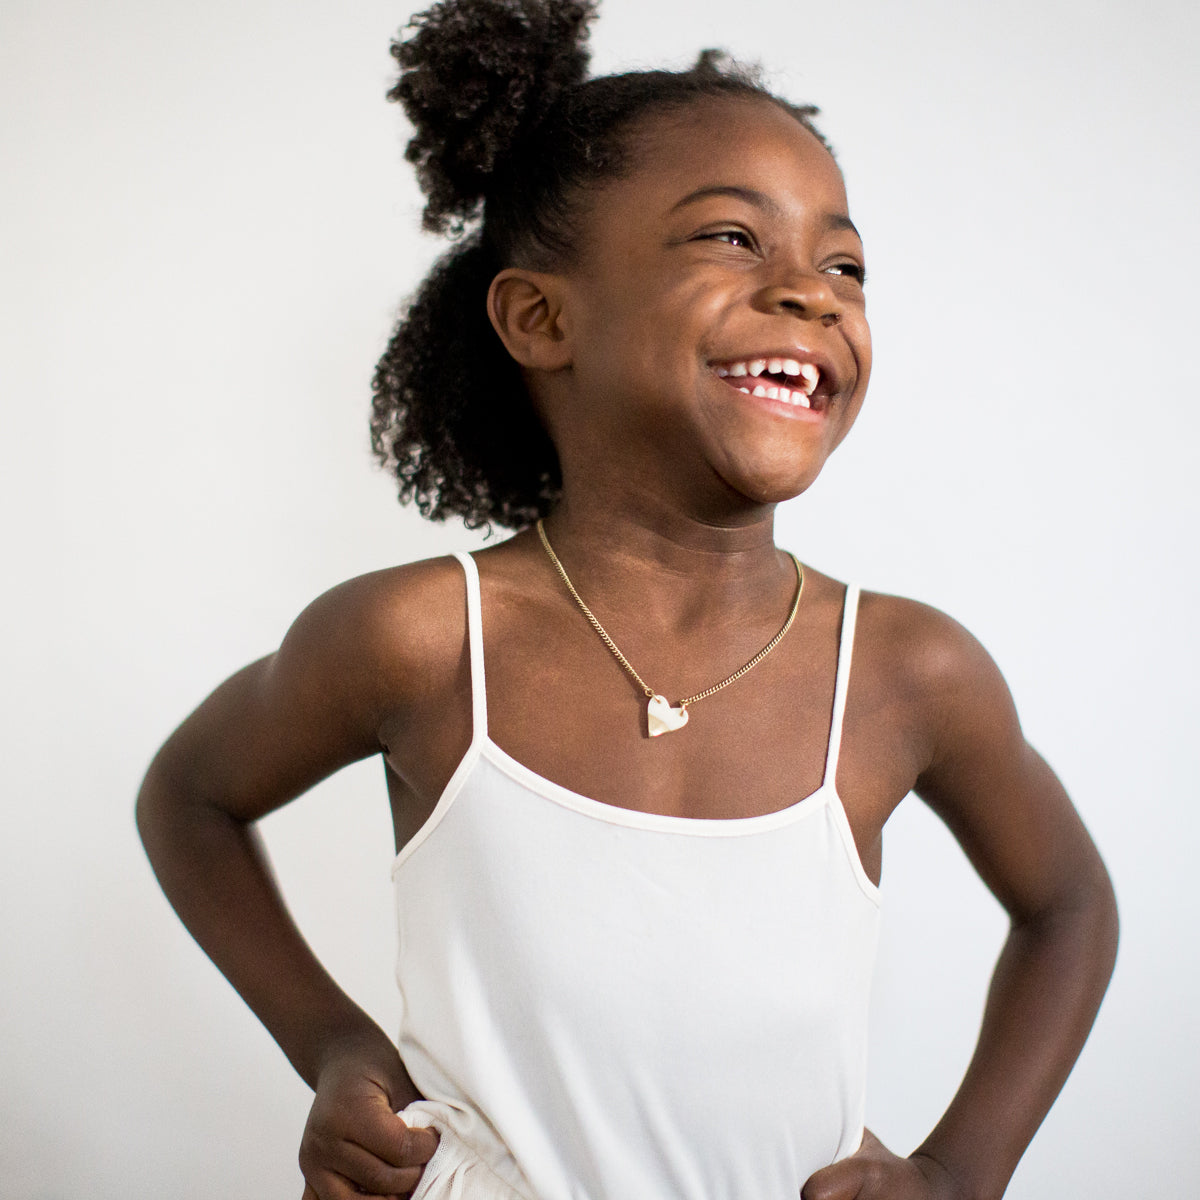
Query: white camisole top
(605,1004)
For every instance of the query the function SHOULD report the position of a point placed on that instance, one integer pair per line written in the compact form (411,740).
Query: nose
(805,294)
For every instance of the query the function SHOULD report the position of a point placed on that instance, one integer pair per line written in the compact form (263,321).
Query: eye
(851,270)
(732,237)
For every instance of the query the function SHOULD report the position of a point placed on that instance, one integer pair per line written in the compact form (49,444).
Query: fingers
(328,1185)
(375,1177)
(354,1144)
(842,1181)
(386,1136)
(872,1172)
(852,1178)
(338,1168)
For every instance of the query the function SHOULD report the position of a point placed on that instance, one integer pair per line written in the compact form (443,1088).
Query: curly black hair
(510,133)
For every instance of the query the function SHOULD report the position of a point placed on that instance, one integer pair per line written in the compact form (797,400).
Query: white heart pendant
(662,718)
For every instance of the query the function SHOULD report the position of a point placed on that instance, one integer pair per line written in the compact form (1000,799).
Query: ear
(526,310)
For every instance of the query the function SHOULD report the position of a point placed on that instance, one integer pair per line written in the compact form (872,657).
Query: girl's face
(722,264)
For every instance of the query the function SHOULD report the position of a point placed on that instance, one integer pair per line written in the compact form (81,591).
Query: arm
(1020,831)
(263,737)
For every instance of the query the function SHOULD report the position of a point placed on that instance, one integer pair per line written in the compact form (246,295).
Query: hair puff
(474,78)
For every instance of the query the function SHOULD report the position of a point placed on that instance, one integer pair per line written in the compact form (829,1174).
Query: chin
(771,477)
(773,491)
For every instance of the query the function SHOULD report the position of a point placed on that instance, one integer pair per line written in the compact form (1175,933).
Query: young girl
(639,759)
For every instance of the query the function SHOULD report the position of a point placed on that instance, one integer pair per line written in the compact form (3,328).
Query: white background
(205,229)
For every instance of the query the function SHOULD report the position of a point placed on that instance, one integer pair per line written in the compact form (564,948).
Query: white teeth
(809,375)
(784,394)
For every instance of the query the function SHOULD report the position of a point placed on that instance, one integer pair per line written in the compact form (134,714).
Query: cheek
(864,358)
(857,333)
(649,328)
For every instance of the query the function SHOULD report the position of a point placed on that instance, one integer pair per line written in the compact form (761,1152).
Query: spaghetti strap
(845,650)
(475,641)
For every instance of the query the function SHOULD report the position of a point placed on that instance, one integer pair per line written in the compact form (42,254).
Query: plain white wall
(205,229)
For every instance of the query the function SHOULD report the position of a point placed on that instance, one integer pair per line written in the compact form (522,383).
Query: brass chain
(646,688)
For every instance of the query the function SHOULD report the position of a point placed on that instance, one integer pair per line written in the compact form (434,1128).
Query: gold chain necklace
(660,716)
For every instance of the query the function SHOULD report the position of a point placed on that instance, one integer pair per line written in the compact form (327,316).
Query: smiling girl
(639,759)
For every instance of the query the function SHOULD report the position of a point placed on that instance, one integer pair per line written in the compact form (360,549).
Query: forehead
(725,143)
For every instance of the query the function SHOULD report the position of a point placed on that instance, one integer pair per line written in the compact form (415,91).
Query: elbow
(1082,922)
(1108,918)
(1096,905)
(150,805)
(166,809)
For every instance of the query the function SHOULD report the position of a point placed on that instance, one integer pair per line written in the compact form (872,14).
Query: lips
(791,377)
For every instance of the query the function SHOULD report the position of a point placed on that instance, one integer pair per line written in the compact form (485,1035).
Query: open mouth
(784,379)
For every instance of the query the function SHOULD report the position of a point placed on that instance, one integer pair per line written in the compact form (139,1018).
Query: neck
(685,569)
(693,512)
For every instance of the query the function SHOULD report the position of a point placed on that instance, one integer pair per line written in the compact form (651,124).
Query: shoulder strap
(475,642)
(845,650)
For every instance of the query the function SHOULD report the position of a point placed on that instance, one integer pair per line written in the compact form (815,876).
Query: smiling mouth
(784,379)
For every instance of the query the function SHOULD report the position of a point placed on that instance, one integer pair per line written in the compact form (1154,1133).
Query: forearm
(214,872)
(1046,989)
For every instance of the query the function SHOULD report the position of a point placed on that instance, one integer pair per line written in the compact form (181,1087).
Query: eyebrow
(761,201)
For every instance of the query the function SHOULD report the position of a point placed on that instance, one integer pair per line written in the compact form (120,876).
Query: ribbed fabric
(603,1004)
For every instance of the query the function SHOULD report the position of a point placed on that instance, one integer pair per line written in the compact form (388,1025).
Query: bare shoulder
(934,681)
(381,636)
(359,655)
(399,613)
(919,646)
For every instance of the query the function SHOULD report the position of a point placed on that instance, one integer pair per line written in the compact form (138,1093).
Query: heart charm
(662,718)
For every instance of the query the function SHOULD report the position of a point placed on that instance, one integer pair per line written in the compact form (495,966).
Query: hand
(873,1172)
(354,1144)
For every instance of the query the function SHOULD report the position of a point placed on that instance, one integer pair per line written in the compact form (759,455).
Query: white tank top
(606,1004)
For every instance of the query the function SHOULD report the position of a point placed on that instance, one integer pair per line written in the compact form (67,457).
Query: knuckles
(856,1179)
(385,1181)
(838,1182)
